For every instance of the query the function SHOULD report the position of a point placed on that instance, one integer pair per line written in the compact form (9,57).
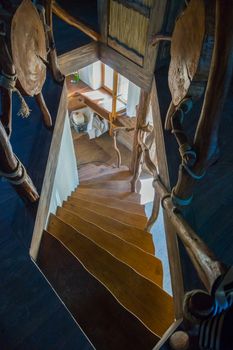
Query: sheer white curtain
(91,75)
(133,99)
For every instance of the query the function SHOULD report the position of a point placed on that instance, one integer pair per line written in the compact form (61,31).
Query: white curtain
(66,178)
(91,75)
(133,99)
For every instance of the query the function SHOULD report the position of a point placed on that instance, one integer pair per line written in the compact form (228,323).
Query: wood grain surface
(29,48)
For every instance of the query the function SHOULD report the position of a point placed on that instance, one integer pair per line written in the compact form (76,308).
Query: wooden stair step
(143,298)
(92,171)
(120,186)
(117,176)
(134,220)
(105,322)
(130,234)
(112,203)
(128,196)
(145,264)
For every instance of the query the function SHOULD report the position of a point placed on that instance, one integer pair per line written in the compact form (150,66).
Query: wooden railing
(50,172)
(208,267)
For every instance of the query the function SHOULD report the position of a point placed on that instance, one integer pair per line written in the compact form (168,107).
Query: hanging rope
(187,153)
(20,171)
(8,82)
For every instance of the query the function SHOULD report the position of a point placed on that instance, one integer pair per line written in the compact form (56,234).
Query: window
(107,77)
(108,83)
(123,87)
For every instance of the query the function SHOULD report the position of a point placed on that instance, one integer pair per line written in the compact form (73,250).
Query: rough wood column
(142,121)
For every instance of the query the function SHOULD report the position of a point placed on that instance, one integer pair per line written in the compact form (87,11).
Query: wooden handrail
(49,177)
(203,259)
(66,17)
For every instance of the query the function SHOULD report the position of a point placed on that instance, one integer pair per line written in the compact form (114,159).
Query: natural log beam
(6,97)
(7,67)
(66,17)
(203,259)
(206,137)
(157,38)
(206,264)
(142,110)
(12,169)
(44,110)
(116,148)
(52,55)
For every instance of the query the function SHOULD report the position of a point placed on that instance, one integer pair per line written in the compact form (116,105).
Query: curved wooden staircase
(100,261)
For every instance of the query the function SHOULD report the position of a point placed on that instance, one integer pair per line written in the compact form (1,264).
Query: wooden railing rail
(208,268)
(203,259)
(50,172)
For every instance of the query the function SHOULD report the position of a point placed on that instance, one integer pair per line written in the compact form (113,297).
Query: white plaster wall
(66,178)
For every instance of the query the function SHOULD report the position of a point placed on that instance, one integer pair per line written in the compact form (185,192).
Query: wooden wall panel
(78,58)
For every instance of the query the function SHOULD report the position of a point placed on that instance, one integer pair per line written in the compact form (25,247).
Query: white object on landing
(96,125)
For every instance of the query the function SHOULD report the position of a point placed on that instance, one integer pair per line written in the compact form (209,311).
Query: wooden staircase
(100,261)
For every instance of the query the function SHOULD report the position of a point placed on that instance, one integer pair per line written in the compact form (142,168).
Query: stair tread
(140,296)
(104,321)
(91,171)
(132,219)
(142,262)
(111,202)
(130,234)
(123,175)
(120,186)
(129,196)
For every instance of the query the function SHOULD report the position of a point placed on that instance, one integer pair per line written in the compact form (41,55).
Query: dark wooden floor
(31,315)
(211,212)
